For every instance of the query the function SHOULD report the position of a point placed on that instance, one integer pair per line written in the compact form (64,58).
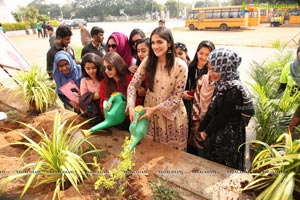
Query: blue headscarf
(74,74)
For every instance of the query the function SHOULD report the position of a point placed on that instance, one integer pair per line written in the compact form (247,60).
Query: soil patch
(10,161)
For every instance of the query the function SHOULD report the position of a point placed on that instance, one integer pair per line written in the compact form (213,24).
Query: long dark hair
(183,47)
(192,75)
(151,64)
(205,43)
(92,58)
(141,41)
(116,61)
(134,32)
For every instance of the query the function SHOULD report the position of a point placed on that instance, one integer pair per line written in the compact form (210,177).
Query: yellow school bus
(290,15)
(264,12)
(223,18)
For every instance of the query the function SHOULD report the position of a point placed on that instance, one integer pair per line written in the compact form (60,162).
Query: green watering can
(138,128)
(114,116)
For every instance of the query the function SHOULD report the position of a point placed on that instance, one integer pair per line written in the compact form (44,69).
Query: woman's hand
(96,95)
(74,105)
(141,91)
(133,68)
(149,112)
(186,96)
(203,135)
(131,114)
(108,105)
(195,127)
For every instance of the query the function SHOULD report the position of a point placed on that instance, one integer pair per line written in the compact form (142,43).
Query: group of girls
(200,106)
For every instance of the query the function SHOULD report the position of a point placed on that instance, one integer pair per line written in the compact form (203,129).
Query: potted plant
(35,88)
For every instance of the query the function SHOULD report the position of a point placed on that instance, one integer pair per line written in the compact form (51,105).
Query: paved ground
(35,49)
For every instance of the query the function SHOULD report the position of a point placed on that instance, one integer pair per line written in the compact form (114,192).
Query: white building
(5,13)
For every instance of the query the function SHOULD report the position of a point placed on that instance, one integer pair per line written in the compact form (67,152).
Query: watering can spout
(134,143)
(114,116)
(86,132)
(103,125)
(138,128)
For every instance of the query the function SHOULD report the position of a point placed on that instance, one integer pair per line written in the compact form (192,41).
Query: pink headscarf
(123,47)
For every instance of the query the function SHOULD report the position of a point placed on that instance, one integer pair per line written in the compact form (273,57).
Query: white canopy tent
(10,58)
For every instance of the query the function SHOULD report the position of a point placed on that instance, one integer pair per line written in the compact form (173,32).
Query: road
(250,43)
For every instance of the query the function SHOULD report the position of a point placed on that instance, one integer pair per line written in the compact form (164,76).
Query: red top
(103,97)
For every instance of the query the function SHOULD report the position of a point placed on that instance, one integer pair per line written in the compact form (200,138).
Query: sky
(12,4)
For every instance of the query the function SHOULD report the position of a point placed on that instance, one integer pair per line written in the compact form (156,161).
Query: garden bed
(156,166)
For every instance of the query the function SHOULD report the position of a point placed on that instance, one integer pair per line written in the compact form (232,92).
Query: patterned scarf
(295,68)
(225,62)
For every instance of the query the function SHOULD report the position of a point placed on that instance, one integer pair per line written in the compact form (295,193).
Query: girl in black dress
(223,127)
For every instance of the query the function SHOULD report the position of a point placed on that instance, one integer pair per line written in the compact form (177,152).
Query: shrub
(14,26)
(273,110)
(276,169)
(34,88)
(60,158)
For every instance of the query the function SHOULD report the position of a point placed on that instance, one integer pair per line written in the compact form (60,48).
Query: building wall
(5,13)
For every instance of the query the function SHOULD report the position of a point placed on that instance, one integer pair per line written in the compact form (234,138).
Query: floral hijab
(225,62)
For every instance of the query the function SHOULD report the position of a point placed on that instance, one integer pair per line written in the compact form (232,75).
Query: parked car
(68,22)
(74,23)
(79,21)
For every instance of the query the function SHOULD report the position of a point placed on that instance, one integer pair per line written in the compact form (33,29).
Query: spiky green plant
(272,109)
(35,88)
(60,158)
(276,169)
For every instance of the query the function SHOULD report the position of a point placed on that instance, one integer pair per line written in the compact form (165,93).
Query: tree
(200,4)
(26,13)
(172,7)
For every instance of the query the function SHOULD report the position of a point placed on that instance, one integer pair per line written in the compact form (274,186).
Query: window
(208,14)
(263,12)
(235,13)
(225,13)
(216,14)
(193,14)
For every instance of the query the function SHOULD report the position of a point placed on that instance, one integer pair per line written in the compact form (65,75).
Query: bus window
(226,13)
(218,17)
(193,14)
(216,14)
(209,14)
(235,13)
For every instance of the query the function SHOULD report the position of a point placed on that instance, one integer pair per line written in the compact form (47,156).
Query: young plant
(161,191)
(60,158)
(114,179)
(35,88)
(276,169)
